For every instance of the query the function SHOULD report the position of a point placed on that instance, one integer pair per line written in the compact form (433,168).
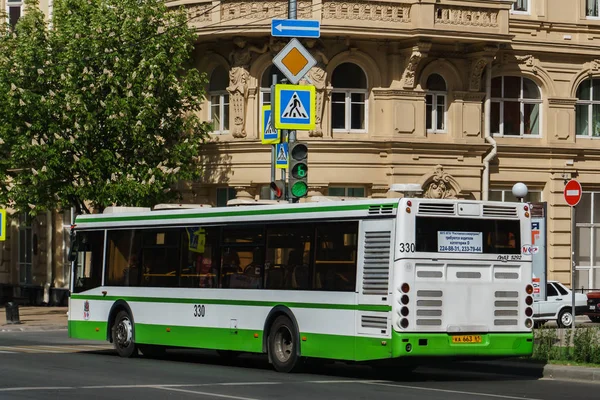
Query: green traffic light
(299,171)
(299,189)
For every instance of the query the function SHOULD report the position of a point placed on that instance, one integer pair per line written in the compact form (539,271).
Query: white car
(558,305)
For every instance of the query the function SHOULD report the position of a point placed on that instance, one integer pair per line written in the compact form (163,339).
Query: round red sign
(572,192)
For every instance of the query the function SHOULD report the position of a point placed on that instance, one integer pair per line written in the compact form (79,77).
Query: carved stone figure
(318,77)
(240,60)
(476,71)
(440,185)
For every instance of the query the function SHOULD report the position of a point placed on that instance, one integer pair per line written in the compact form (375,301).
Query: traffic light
(298,170)
(278,188)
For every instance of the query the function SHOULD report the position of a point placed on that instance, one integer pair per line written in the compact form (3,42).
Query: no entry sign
(572,192)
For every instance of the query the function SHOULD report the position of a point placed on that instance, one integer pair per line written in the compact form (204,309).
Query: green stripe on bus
(440,344)
(159,216)
(359,307)
(337,347)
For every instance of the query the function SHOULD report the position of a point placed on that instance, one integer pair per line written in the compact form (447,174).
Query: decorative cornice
(469,96)
(390,93)
(562,101)
(366,11)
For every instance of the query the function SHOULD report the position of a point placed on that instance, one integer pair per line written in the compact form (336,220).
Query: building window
(265,87)
(521,7)
(219,100)
(533,196)
(516,107)
(591,8)
(588,108)
(435,102)
(587,219)
(347,191)
(224,195)
(25,249)
(14,10)
(349,99)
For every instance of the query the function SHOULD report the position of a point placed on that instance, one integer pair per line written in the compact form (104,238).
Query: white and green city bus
(365,281)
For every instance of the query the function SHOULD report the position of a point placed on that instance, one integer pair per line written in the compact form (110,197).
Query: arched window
(349,98)
(219,100)
(516,106)
(265,87)
(588,108)
(435,102)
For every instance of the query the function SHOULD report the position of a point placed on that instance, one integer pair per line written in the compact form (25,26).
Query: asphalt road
(48,365)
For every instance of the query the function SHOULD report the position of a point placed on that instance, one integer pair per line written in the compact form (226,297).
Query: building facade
(464,97)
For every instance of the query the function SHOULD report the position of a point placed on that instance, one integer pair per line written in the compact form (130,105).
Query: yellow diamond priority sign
(294,61)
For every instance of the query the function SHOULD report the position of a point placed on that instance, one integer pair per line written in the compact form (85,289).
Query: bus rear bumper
(471,345)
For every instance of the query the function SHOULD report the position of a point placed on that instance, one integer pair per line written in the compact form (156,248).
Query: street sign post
(297,28)
(572,192)
(269,135)
(294,61)
(295,107)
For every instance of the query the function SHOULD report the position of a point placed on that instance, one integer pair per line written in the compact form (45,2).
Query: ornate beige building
(465,97)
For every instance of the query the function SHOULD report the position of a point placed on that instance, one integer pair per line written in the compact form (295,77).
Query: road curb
(537,370)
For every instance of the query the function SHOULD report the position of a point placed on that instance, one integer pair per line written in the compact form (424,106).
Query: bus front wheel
(122,335)
(282,345)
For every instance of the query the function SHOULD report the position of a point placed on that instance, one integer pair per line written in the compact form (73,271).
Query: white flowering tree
(100,107)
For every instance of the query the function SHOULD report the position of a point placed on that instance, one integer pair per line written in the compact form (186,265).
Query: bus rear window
(465,235)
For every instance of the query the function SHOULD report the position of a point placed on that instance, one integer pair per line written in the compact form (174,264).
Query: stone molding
(366,11)
(439,184)
(466,16)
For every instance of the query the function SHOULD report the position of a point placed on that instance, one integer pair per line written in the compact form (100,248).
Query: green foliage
(100,108)
(581,347)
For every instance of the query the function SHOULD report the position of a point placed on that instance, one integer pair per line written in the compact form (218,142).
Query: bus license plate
(466,339)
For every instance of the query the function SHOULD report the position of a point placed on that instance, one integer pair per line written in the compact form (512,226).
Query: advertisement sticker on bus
(460,242)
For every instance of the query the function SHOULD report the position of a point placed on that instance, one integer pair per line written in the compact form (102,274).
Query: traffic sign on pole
(572,192)
(302,28)
(281,155)
(269,135)
(294,61)
(295,107)
(2,225)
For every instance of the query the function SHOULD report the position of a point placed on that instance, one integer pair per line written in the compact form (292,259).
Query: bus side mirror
(73,251)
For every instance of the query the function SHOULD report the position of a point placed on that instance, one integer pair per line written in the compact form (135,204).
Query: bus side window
(88,267)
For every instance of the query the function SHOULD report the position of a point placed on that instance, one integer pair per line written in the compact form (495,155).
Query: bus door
(375,258)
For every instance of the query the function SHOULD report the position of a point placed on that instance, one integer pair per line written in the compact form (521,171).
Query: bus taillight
(528,323)
(405,287)
(529,300)
(404,323)
(529,311)
(529,289)
(404,299)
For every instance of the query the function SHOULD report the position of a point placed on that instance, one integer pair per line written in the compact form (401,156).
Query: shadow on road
(437,371)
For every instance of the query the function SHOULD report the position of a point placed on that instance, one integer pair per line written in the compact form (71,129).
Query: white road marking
(22,389)
(28,349)
(7,352)
(450,391)
(225,396)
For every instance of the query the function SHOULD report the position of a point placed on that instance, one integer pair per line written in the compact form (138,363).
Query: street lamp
(519,190)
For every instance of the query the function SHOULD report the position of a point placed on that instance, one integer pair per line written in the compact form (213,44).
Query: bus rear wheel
(282,345)
(122,335)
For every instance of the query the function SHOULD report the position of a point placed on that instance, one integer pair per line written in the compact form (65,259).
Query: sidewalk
(36,319)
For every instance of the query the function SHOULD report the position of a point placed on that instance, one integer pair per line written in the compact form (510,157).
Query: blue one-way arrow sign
(300,28)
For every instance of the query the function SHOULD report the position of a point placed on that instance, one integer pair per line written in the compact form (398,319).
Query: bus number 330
(199,310)
(406,247)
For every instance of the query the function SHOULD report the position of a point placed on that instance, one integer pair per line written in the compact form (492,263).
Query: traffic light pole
(273,147)
(291,136)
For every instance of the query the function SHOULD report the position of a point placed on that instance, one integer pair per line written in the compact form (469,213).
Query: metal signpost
(292,106)
(572,194)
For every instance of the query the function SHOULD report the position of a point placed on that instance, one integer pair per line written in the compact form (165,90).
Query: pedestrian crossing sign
(281,155)
(269,135)
(295,107)
(2,225)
